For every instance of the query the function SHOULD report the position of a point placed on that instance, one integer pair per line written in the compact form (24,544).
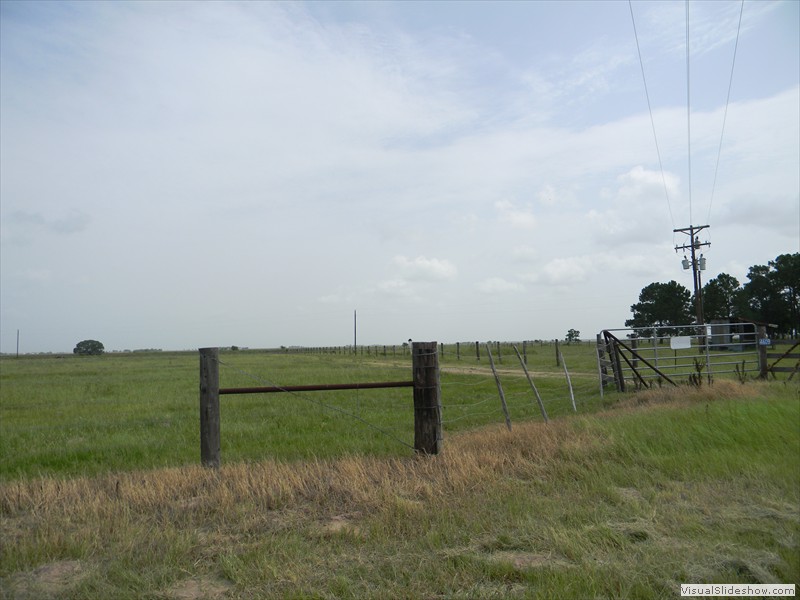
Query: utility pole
(697,264)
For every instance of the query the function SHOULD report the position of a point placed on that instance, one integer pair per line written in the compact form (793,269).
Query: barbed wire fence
(469,393)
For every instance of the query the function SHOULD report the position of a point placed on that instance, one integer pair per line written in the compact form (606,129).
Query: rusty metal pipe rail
(316,387)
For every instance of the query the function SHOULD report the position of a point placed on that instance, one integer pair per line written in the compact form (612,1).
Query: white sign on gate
(680,342)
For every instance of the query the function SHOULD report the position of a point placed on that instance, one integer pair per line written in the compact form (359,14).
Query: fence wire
(307,397)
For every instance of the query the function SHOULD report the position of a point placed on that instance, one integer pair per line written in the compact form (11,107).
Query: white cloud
(525,254)
(397,288)
(425,269)
(498,285)
(509,213)
(571,270)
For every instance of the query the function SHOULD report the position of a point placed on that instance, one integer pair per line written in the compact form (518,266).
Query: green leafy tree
(660,306)
(786,274)
(573,335)
(772,293)
(89,347)
(720,297)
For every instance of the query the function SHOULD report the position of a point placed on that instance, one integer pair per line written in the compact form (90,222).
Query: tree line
(771,295)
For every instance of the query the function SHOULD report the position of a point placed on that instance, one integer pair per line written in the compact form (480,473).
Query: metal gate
(647,356)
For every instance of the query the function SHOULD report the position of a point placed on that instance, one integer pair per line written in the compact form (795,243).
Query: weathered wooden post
(762,339)
(569,383)
(530,381)
(209,407)
(427,399)
(499,387)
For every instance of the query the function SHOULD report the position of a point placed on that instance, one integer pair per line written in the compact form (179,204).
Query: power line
(725,115)
(688,113)
(650,110)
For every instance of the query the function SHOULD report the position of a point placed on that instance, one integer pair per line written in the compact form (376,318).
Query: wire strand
(688,114)
(317,402)
(652,121)
(725,114)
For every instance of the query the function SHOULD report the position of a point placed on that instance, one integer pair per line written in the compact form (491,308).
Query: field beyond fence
(69,415)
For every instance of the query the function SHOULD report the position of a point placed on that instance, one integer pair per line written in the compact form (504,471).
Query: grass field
(73,415)
(101,495)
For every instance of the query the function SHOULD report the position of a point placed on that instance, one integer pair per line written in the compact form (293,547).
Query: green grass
(628,503)
(101,494)
(86,415)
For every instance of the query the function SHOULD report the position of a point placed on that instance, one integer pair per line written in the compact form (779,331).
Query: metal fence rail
(639,356)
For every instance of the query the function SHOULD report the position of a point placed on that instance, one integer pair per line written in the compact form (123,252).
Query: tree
(573,335)
(89,347)
(720,297)
(661,305)
(773,293)
(786,274)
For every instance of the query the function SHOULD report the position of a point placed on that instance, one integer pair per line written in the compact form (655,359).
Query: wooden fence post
(499,387)
(569,383)
(762,351)
(533,387)
(427,399)
(209,407)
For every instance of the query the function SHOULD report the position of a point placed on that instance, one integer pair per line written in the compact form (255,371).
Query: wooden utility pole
(696,265)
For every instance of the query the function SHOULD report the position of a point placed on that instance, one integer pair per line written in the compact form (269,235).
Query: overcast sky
(178,175)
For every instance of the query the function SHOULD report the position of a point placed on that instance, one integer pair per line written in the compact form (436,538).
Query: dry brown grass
(346,484)
(687,394)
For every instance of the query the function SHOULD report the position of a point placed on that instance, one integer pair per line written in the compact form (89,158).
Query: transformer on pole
(697,264)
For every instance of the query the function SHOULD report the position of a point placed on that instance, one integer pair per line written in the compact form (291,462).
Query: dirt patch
(200,589)
(501,371)
(48,581)
(630,495)
(340,525)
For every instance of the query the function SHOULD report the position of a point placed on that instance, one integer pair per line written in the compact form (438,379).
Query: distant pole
(355,331)
(17,343)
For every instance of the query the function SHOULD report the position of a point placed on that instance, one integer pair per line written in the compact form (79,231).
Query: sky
(178,175)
